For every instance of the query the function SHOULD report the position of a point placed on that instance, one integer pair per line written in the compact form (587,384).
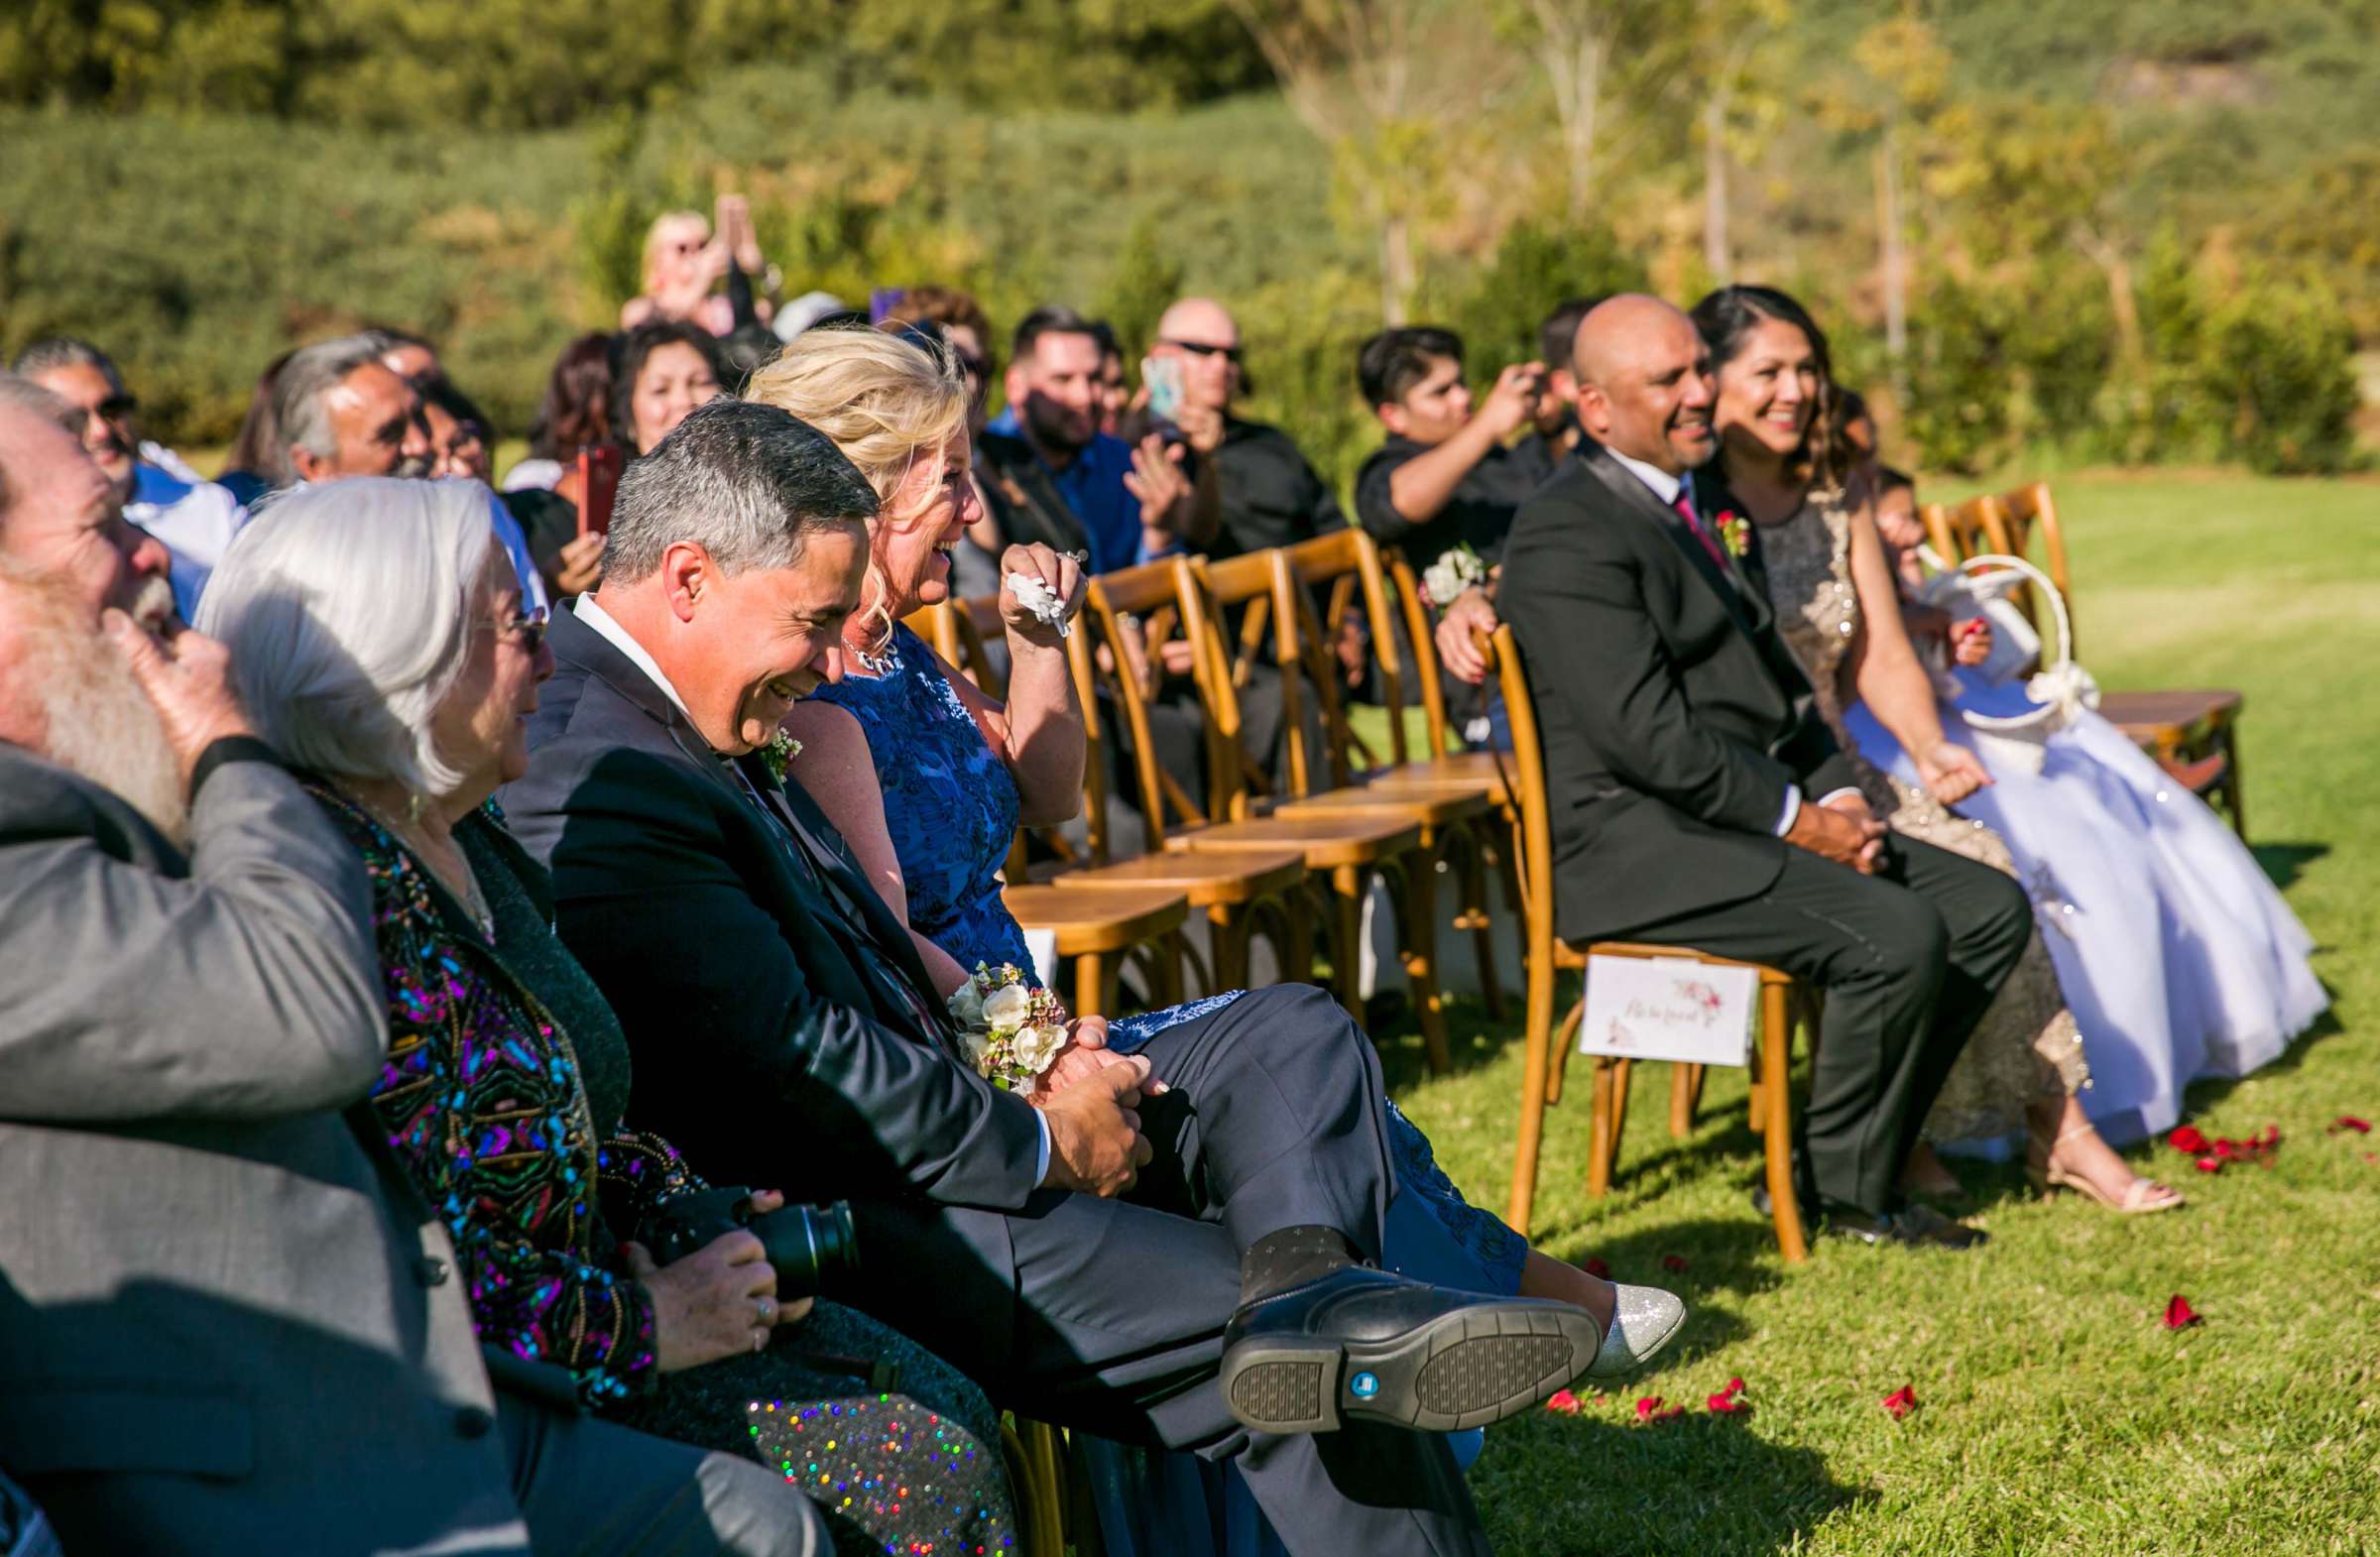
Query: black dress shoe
(1363,1343)
(1916,1226)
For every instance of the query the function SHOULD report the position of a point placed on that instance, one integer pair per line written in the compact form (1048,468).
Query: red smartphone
(598,484)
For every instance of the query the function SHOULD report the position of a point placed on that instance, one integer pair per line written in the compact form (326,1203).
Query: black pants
(1108,1315)
(1909,958)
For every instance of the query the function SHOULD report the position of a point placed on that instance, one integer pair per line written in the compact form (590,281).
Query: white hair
(348,608)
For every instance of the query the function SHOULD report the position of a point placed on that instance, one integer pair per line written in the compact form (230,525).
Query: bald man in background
(1700,800)
(1272,496)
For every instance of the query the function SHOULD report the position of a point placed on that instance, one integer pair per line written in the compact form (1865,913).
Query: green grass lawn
(2056,1414)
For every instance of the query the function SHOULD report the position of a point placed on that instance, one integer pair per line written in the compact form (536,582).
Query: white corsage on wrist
(1458,569)
(1043,601)
(1011,1030)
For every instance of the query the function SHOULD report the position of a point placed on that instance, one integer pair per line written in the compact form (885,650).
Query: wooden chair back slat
(1206,591)
(1309,670)
(1418,633)
(1120,631)
(1532,838)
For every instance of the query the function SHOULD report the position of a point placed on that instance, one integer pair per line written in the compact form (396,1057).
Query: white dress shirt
(1666,487)
(591,612)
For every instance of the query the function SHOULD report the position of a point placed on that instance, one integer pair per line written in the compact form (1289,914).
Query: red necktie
(1685,507)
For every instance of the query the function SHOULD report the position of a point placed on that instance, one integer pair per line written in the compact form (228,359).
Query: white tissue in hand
(1042,600)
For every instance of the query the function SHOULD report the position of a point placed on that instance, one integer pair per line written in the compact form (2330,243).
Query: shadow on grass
(1600,1482)
(2283,863)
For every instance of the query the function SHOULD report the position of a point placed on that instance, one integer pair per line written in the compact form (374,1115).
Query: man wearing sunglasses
(1271,494)
(194,518)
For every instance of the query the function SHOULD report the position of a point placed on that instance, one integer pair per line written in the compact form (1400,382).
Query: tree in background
(1393,88)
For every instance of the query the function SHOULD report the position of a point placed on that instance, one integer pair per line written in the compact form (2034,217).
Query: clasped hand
(1061,574)
(1090,1099)
(1840,828)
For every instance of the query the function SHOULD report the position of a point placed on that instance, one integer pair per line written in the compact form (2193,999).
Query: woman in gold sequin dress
(1837,608)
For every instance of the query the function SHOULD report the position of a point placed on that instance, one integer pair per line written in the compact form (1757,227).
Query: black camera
(812,1248)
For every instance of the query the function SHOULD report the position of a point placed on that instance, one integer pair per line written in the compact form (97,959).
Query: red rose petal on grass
(1902,1400)
(1673,1262)
(1594,1266)
(2210,1165)
(2361,1126)
(1564,1402)
(1726,1403)
(2179,1315)
(1646,1406)
(2189,1139)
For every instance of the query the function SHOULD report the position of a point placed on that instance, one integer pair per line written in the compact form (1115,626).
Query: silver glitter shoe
(1645,1319)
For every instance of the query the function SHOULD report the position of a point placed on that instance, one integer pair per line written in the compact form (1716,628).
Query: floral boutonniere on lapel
(1736,534)
(778,753)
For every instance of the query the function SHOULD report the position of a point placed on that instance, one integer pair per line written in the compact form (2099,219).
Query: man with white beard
(227,1324)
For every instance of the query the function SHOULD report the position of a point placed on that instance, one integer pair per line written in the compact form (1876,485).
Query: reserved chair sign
(1669,1008)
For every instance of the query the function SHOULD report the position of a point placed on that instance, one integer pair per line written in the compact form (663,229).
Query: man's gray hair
(24,394)
(745,482)
(348,609)
(299,401)
(65,351)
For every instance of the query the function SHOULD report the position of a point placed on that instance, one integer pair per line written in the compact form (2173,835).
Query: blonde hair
(662,224)
(881,399)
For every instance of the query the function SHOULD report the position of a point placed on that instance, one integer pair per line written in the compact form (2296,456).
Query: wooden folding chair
(1209,594)
(1241,895)
(1341,854)
(1547,1054)
(2193,733)
(1098,931)
(1460,824)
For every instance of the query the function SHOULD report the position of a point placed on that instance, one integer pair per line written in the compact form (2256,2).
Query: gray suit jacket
(226,1324)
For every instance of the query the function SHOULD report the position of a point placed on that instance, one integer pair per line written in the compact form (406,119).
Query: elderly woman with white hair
(378,637)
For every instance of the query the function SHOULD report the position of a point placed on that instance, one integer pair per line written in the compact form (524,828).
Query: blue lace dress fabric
(950,808)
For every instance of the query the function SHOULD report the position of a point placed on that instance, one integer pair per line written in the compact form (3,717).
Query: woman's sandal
(2141,1197)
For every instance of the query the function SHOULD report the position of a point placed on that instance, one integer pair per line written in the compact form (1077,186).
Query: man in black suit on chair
(1699,801)
(786,1036)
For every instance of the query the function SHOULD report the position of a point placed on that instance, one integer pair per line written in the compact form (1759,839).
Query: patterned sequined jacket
(486,1104)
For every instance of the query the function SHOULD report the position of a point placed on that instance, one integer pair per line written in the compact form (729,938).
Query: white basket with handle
(2061,691)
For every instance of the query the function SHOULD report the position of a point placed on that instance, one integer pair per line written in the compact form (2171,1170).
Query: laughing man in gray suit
(226,1324)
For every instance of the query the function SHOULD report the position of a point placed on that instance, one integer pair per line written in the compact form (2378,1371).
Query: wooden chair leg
(1421,960)
(1346,938)
(1685,1095)
(1776,1057)
(1535,1072)
(1030,1449)
(2228,744)
(1558,1062)
(1094,985)
(1472,874)
(1599,1129)
(1231,931)
(1622,1073)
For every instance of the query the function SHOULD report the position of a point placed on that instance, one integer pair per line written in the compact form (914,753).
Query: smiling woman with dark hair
(2175,954)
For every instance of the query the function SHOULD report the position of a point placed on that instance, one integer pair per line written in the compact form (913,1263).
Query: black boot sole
(1466,1369)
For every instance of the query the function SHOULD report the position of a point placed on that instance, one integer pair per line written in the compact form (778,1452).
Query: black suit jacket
(1672,717)
(776,1012)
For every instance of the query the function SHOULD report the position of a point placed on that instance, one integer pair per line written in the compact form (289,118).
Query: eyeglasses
(528,627)
(117,406)
(1207,349)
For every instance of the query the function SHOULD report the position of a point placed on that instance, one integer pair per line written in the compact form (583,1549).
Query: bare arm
(837,769)
(1423,485)
(1040,732)
(1892,681)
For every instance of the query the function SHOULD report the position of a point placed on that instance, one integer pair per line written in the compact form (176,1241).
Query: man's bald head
(1201,320)
(1644,382)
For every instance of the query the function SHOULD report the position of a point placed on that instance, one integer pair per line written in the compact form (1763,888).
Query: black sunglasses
(1206,349)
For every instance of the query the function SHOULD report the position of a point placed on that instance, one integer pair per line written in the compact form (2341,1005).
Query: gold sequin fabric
(2027,1045)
